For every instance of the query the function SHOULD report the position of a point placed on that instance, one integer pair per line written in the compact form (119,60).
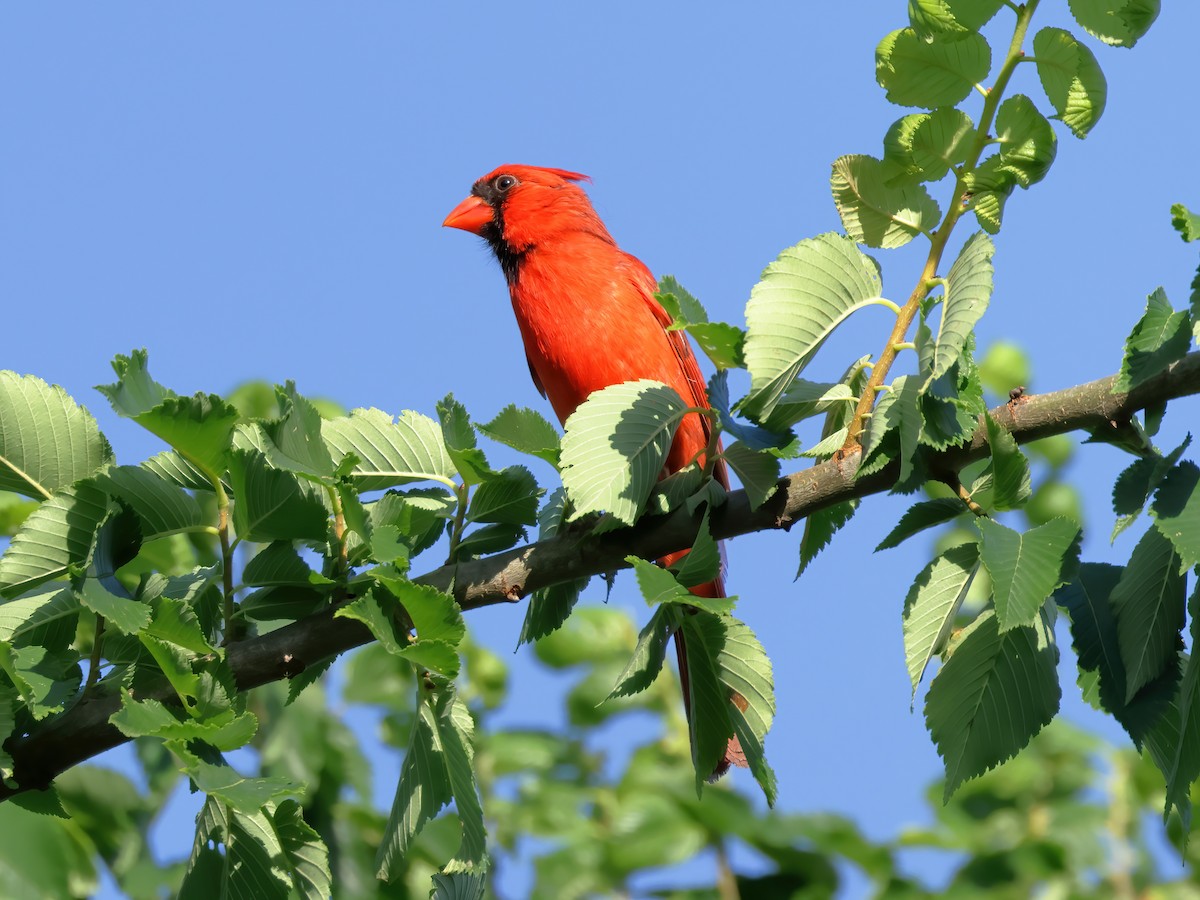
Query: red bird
(587,315)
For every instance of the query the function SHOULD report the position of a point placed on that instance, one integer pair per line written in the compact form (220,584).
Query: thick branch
(84,731)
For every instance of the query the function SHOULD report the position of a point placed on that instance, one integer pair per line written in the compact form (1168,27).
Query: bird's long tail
(733,756)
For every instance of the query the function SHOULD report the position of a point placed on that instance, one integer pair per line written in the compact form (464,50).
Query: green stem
(941,237)
(463,492)
(223,513)
(94,667)
(342,572)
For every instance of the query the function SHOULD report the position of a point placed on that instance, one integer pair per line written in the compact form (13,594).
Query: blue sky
(256,191)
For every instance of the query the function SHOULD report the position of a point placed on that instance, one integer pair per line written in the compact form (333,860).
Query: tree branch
(84,731)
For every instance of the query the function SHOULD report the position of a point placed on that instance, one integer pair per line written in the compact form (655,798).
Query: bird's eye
(504,182)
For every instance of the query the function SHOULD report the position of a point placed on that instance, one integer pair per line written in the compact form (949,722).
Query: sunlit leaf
(875,213)
(916,72)
(1118,22)
(1071,78)
(1149,606)
(932,605)
(1160,337)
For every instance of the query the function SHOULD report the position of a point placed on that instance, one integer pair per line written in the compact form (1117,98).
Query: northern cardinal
(588,317)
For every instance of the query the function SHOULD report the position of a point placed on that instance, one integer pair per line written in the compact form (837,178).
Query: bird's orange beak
(471,215)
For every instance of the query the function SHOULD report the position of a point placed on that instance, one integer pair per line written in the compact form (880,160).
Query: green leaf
(968,290)
(526,431)
(920,516)
(173,468)
(648,656)
(819,529)
(436,770)
(803,399)
(986,188)
(703,562)
(1071,78)
(916,72)
(46,617)
(615,445)
(683,308)
(150,718)
(894,431)
(390,452)
(306,855)
(460,886)
(199,427)
(176,622)
(1094,636)
(234,855)
(1186,222)
(950,19)
(802,297)
(459,435)
(1176,512)
(875,213)
(56,535)
(1139,481)
(549,607)
(721,342)
(659,586)
(1117,22)
(509,498)
(162,507)
(732,695)
(48,441)
(245,795)
(1010,469)
(757,470)
(377,611)
(1026,568)
(925,146)
(123,613)
(932,605)
(278,563)
(1160,337)
(1027,141)
(295,438)
(1185,768)
(435,615)
(47,681)
(992,695)
(273,504)
(1149,606)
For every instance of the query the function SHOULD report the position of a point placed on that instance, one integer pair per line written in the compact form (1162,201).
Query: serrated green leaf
(390,452)
(526,431)
(941,140)
(920,516)
(306,856)
(1026,568)
(47,440)
(1160,337)
(278,563)
(1071,78)
(1186,222)
(58,534)
(802,297)
(615,445)
(150,718)
(659,586)
(986,189)
(1185,768)
(950,19)
(1149,605)
(235,855)
(1176,512)
(123,613)
(175,469)
(458,432)
(378,612)
(488,539)
(703,562)
(683,308)
(758,471)
(1011,485)
(509,497)
(176,622)
(932,605)
(968,291)
(47,681)
(1027,141)
(162,507)
(295,438)
(1094,636)
(460,886)
(245,795)
(721,342)
(803,399)
(272,504)
(992,695)
(47,617)
(1135,485)
(897,416)
(199,427)
(875,213)
(648,656)
(437,769)
(820,527)
(916,72)
(732,695)
(1117,22)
